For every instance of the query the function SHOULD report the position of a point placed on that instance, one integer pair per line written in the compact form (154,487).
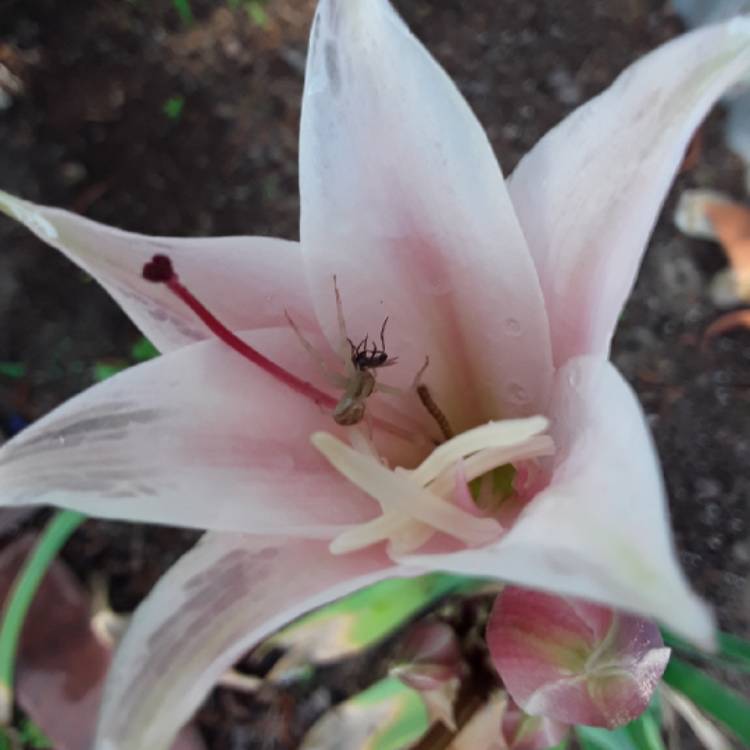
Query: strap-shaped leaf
(717,700)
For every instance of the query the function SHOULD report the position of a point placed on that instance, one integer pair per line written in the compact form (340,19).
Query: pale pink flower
(511,288)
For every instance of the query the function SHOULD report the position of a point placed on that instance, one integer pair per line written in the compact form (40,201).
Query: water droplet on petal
(512,327)
(517,393)
(435,284)
(574,379)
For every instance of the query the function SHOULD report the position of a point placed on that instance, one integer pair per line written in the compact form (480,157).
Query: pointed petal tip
(688,616)
(26,213)
(702,630)
(739,25)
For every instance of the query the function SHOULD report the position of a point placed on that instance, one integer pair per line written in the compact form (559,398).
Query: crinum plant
(502,443)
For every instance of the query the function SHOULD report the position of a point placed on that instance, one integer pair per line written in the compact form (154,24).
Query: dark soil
(84,127)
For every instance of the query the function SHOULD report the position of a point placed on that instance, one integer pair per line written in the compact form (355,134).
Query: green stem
(21,595)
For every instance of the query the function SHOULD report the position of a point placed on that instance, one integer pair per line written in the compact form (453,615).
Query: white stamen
(504,434)
(409,537)
(394,491)
(363,535)
(413,512)
(487,460)
(361,443)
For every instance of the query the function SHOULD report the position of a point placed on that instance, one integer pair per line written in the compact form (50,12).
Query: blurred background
(176,118)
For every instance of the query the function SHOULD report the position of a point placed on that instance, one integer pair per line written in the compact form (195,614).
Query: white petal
(600,530)
(403,199)
(247,282)
(213,605)
(590,191)
(197,437)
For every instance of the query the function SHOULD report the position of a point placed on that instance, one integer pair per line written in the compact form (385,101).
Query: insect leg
(336,379)
(343,337)
(382,334)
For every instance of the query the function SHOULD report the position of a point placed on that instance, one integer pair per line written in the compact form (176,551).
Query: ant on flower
(360,361)
(351,408)
(359,382)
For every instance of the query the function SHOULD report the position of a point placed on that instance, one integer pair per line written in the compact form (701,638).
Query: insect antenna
(382,333)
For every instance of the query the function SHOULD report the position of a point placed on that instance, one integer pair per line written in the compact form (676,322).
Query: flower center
(433,498)
(416,504)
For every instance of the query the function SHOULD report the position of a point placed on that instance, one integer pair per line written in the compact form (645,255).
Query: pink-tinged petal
(246,281)
(600,530)
(197,437)
(61,664)
(430,657)
(403,199)
(573,661)
(214,604)
(590,191)
(523,732)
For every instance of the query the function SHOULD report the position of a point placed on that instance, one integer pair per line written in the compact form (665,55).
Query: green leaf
(646,732)
(173,107)
(33,736)
(386,716)
(735,648)
(56,533)
(361,619)
(591,738)
(104,370)
(184,11)
(257,13)
(643,733)
(143,350)
(734,652)
(722,703)
(13,370)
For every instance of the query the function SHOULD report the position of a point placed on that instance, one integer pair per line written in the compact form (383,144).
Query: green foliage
(733,652)
(257,13)
(33,736)
(21,595)
(141,351)
(386,716)
(643,733)
(104,370)
(173,107)
(27,735)
(13,370)
(255,9)
(406,724)
(717,700)
(184,11)
(363,618)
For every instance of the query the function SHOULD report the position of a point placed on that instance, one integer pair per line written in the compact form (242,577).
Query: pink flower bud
(573,661)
